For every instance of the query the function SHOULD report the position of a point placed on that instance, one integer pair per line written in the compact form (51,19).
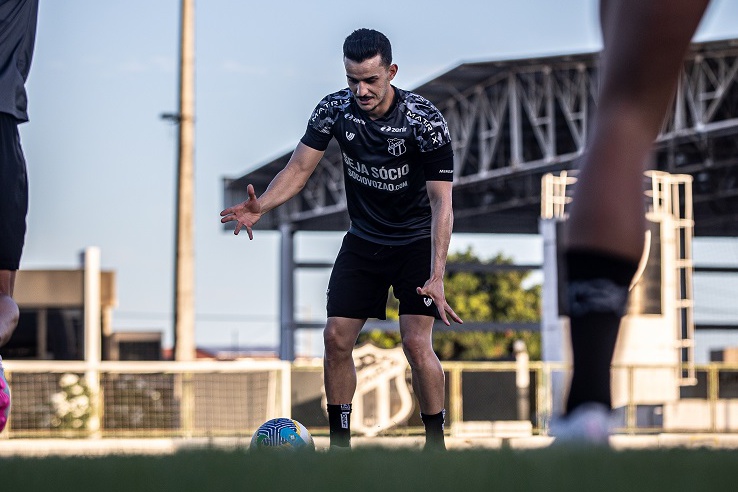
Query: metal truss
(520,120)
(514,121)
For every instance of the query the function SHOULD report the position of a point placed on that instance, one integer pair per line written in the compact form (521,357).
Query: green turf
(382,470)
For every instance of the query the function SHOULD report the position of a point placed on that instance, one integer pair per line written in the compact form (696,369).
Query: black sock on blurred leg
(596,296)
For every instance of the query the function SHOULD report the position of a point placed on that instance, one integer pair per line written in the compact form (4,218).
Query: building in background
(52,319)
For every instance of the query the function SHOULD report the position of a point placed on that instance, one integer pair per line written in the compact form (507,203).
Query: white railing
(672,196)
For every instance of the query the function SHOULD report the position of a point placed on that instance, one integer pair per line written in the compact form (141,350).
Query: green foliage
(493,296)
(382,339)
(483,345)
(393,306)
(499,297)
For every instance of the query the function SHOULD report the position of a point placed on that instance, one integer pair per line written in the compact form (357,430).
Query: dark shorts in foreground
(13,194)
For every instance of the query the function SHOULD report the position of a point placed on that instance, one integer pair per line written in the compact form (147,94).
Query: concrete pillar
(555,346)
(522,378)
(93,331)
(42,333)
(92,310)
(287,293)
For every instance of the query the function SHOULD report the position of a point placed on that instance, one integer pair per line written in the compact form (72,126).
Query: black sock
(597,294)
(339,420)
(434,430)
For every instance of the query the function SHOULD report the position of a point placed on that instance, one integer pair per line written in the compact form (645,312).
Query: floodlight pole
(184,274)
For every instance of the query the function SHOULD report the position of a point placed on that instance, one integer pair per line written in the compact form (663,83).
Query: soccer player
(398,172)
(17,38)
(645,42)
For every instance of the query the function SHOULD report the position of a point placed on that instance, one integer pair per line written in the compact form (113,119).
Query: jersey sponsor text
(381,178)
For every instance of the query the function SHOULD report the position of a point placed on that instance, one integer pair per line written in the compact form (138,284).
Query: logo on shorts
(396,146)
(350,136)
(427,301)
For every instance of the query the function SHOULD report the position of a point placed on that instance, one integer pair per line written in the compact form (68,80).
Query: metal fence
(144,399)
(168,399)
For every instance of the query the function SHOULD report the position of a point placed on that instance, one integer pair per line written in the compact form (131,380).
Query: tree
(493,296)
(499,297)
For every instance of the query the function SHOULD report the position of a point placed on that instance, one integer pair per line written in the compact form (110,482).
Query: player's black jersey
(386,162)
(17,38)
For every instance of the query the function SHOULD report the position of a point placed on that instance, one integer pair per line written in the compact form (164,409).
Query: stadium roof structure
(512,121)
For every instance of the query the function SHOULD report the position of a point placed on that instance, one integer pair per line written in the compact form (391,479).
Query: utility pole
(184,275)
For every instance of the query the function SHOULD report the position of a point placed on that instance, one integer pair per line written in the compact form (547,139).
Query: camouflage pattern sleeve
(329,109)
(429,126)
(320,126)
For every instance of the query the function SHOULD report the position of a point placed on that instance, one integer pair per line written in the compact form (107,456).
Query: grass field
(376,469)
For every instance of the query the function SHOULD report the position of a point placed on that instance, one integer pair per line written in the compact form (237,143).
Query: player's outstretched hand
(246,214)
(434,290)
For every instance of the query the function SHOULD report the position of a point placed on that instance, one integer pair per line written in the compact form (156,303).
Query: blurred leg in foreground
(644,44)
(18,36)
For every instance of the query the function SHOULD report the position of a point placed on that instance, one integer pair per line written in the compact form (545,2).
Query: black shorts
(364,272)
(13,194)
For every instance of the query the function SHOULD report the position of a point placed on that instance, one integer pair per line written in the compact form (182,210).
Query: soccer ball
(282,433)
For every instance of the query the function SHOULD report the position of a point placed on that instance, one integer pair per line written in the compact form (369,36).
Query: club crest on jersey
(396,146)
(350,136)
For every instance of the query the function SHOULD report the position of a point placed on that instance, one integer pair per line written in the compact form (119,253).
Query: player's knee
(336,343)
(417,349)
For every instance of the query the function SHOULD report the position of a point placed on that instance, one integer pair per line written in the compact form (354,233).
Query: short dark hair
(363,44)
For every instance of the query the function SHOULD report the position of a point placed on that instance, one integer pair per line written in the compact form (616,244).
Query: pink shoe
(4,400)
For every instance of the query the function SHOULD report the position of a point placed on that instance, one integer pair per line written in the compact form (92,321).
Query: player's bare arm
(442,222)
(286,184)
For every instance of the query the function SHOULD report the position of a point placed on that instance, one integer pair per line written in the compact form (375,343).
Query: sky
(102,162)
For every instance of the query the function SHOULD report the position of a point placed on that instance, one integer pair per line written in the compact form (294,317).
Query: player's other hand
(246,214)
(434,290)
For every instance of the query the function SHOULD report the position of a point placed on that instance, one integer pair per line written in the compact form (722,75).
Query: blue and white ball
(282,433)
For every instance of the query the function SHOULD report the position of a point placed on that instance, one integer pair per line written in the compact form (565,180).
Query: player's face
(370,82)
